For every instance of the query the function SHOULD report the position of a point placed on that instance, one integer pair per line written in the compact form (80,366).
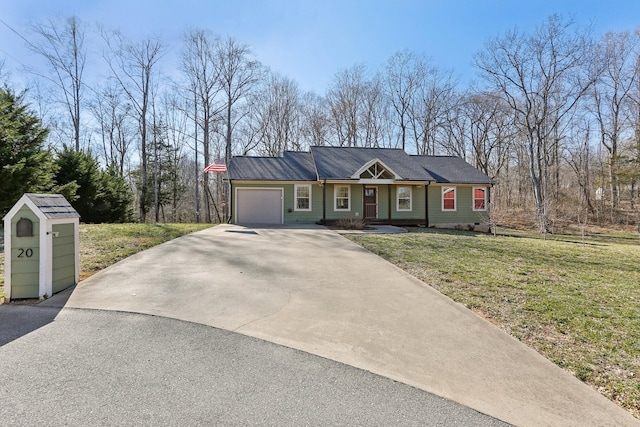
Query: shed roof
(53,205)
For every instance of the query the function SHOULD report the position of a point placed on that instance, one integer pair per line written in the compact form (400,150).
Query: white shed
(41,246)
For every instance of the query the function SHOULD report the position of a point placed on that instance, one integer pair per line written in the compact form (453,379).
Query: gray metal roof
(293,166)
(53,205)
(341,163)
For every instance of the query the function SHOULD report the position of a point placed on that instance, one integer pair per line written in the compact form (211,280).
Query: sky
(310,41)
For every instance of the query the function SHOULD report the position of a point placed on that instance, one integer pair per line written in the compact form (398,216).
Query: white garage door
(259,206)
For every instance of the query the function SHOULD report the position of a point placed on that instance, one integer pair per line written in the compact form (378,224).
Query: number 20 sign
(25,253)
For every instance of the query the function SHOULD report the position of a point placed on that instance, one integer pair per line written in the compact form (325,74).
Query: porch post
(426,204)
(324,203)
(230,208)
(389,204)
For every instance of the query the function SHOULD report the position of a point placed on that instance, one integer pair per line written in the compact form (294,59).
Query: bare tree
(4,75)
(612,97)
(315,126)
(404,74)
(239,73)
(578,157)
(541,76)
(133,65)
(203,71)
(275,116)
(345,99)
(374,117)
(491,132)
(428,114)
(112,111)
(62,45)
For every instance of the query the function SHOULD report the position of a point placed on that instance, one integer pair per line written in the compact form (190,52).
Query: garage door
(259,206)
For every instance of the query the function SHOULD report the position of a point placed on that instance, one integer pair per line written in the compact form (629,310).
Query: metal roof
(53,205)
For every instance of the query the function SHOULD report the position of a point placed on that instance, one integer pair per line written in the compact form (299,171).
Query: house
(381,185)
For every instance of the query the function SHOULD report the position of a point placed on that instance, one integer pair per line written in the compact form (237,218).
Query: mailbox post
(41,246)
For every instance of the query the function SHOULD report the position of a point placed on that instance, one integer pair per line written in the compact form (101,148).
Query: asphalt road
(93,367)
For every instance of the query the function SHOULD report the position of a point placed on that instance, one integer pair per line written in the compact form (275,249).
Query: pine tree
(98,196)
(26,166)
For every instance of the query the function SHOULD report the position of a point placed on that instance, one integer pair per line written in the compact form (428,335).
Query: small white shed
(41,240)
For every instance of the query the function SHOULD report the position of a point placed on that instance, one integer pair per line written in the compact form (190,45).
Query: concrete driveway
(310,289)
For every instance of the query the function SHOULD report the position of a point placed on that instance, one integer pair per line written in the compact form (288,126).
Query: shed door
(259,206)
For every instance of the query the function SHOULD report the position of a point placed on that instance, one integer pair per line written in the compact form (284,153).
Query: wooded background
(553,117)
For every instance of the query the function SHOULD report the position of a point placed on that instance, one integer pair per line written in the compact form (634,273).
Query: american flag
(218,166)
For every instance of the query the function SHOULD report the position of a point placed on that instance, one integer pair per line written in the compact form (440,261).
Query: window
(403,203)
(448,198)
(342,198)
(303,198)
(479,199)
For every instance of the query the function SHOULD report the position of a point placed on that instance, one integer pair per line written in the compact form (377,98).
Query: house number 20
(25,253)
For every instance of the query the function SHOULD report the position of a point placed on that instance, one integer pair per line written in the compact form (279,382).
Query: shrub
(352,224)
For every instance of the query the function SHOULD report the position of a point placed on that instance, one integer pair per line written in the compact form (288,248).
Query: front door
(370,203)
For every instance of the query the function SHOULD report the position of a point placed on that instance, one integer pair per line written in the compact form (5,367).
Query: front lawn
(578,304)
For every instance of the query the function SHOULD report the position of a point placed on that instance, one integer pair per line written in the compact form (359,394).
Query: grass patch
(578,304)
(102,245)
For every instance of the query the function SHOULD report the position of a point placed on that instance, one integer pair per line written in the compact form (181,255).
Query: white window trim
(473,198)
(455,199)
(335,198)
(295,197)
(410,198)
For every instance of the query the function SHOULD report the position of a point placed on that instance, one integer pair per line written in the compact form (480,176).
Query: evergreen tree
(98,196)
(26,166)
(116,197)
(79,177)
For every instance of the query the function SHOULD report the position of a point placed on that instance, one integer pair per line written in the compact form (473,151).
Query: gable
(347,163)
(53,205)
(375,169)
(45,206)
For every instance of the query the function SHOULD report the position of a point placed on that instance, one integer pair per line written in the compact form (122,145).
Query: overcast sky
(309,41)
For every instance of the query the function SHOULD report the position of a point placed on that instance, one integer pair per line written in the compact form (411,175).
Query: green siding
(24,270)
(291,216)
(464,214)
(356,205)
(417,203)
(63,274)
(384,201)
(387,195)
